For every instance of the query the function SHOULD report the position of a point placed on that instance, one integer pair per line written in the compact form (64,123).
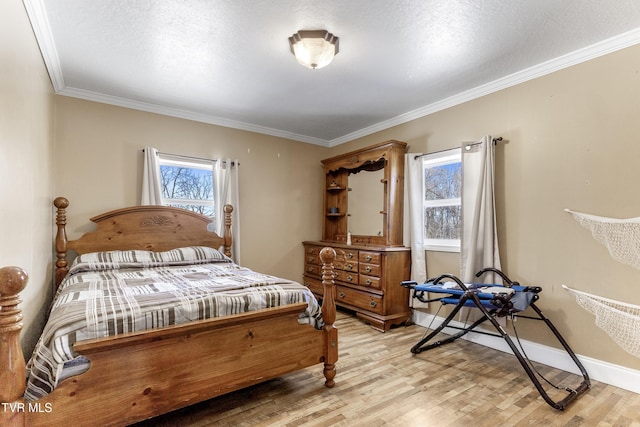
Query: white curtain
(479,243)
(151,180)
(225,191)
(414,189)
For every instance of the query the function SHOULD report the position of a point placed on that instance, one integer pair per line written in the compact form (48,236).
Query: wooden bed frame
(166,368)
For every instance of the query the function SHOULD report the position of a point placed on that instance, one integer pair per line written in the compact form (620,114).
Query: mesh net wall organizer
(620,320)
(620,236)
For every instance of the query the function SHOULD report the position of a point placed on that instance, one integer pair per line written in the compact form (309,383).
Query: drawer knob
(311,259)
(368,269)
(349,266)
(350,278)
(350,255)
(341,295)
(368,257)
(373,303)
(369,281)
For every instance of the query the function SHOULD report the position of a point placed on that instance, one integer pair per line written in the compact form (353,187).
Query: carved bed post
(61,205)
(12,366)
(327,255)
(227,230)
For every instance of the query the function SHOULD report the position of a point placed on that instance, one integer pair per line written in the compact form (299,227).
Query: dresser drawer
(369,257)
(370,269)
(312,250)
(369,281)
(349,266)
(312,255)
(346,276)
(312,259)
(313,269)
(314,285)
(363,300)
(346,255)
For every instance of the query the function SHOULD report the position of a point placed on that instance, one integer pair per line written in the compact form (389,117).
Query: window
(187,183)
(442,200)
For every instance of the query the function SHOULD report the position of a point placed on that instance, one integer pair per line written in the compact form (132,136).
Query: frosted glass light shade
(314,49)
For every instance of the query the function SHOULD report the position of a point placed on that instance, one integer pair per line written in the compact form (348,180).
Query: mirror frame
(337,170)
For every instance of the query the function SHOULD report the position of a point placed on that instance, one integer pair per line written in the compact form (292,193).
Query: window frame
(441,158)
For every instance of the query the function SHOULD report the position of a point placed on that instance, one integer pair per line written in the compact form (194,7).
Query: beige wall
(99,168)
(571,141)
(26,146)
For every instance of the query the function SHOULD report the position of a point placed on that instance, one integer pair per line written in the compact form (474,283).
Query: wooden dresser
(362,205)
(367,280)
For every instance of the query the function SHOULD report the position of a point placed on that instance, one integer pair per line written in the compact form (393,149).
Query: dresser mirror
(366,202)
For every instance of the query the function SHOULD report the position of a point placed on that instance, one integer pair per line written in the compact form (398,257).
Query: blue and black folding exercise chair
(493,301)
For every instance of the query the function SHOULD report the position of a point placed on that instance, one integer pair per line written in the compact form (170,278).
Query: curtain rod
(466,147)
(195,158)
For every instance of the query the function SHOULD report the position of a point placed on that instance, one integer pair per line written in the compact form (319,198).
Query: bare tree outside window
(188,188)
(442,201)
(443,183)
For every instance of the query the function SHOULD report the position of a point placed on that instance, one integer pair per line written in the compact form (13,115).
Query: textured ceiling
(228,62)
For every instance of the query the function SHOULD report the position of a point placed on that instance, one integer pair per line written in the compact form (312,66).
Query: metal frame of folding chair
(469,297)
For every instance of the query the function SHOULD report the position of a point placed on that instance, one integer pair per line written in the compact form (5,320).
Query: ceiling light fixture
(314,48)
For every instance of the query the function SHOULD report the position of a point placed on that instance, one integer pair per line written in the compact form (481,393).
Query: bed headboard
(152,228)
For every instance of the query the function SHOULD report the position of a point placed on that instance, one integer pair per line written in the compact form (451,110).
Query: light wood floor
(380,383)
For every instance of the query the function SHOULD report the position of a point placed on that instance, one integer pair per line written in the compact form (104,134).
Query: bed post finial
(12,368)
(327,256)
(227,230)
(61,204)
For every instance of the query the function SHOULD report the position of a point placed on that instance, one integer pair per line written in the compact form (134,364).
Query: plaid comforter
(109,293)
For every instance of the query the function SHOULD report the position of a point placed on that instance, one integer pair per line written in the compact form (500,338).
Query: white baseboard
(608,373)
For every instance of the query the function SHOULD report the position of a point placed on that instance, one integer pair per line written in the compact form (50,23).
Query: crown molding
(42,31)
(39,22)
(185,114)
(579,56)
